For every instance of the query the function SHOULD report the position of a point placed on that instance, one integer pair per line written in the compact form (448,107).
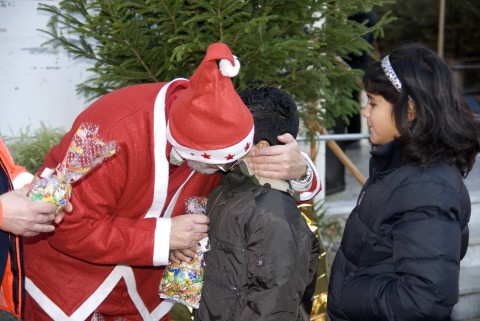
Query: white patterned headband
(391,75)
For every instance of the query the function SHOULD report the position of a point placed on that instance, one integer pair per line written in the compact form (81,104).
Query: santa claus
(108,254)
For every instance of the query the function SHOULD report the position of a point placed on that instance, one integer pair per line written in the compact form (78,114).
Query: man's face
(208,169)
(202,168)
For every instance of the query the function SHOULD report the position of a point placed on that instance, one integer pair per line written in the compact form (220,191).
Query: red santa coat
(108,253)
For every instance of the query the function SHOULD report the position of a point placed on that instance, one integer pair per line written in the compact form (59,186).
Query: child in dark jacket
(401,249)
(263,254)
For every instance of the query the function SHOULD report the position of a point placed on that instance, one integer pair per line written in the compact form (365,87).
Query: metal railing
(342,137)
(338,151)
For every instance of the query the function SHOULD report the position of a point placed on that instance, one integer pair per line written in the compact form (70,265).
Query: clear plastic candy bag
(183,281)
(86,151)
(97,316)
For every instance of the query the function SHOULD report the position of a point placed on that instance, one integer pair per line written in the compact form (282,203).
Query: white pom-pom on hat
(227,69)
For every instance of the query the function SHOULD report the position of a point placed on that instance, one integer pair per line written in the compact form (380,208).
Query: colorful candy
(85,152)
(183,281)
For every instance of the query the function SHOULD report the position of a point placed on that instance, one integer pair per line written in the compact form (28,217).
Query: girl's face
(381,124)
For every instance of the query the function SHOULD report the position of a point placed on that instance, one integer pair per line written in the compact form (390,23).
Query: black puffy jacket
(401,249)
(262,257)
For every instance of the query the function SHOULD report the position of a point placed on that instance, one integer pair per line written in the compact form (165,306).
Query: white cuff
(22,179)
(161,248)
(308,195)
(304,184)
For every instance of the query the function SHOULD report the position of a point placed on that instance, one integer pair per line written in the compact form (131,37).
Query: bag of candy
(183,281)
(97,316)
(86,151)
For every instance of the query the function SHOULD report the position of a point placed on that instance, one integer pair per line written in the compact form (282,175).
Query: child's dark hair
(443,128)
(274,113)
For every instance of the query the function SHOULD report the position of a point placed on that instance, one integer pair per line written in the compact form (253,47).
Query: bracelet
(308,177)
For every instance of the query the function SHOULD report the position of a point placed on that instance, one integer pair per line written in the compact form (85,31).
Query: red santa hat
(209,122)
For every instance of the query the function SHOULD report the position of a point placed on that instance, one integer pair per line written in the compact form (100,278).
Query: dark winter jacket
(263,254)
(400,254)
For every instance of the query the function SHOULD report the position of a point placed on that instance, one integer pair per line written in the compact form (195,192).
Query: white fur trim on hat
(227,69)
(216,156)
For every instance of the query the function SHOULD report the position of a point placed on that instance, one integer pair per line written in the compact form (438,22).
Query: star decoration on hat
(247,147)
(229,157)
(206,156)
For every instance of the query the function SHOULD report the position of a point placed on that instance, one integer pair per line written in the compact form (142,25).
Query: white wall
(37,84)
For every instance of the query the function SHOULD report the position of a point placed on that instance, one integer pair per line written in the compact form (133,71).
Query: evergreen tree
(418,22)
(294,45)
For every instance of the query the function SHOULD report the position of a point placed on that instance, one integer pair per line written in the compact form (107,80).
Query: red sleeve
(107,224)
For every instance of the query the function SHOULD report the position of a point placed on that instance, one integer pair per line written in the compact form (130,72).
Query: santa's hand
(187,230)
(280,161)
(186,255)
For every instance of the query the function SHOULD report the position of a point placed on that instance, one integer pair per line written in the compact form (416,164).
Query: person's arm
(102,231)
(284,162)
(21,177)
(186,255)
(287,162)
(309,186)
(186,231)
(108,223)
(21,216)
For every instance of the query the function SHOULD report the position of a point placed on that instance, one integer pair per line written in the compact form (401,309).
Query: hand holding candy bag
(86,151)
(183,281)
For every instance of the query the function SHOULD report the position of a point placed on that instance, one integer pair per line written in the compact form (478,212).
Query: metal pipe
(336,137)
(342,157)
(441,28)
